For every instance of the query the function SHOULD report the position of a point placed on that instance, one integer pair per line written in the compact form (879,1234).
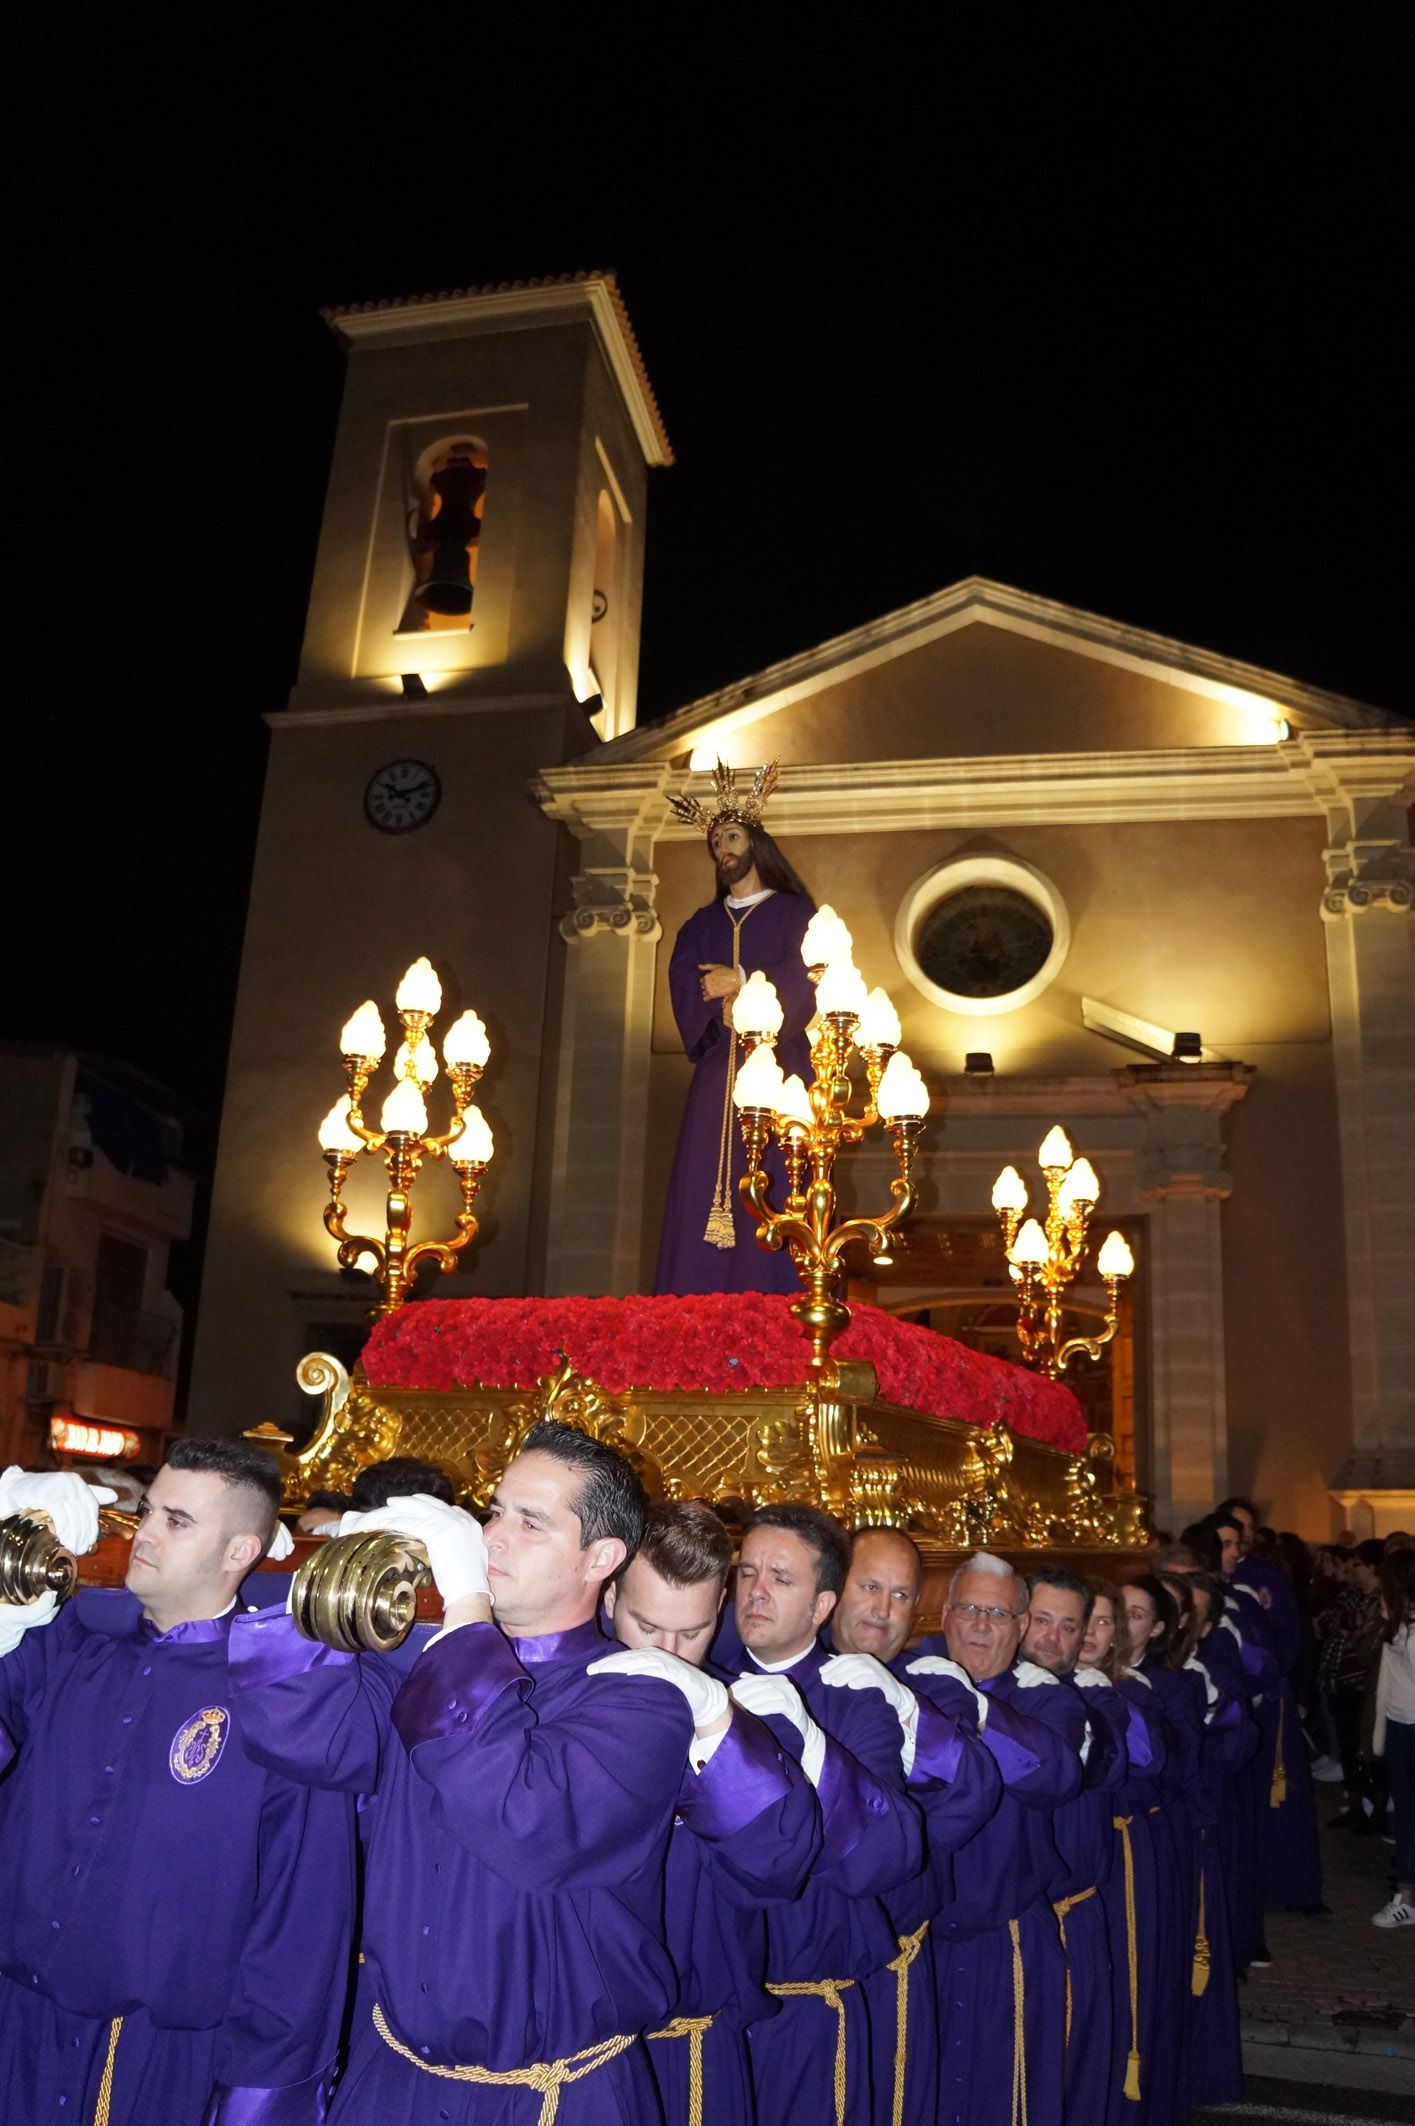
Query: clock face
(403,795)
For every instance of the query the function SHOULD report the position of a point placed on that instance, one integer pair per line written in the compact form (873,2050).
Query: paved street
(1329,2030)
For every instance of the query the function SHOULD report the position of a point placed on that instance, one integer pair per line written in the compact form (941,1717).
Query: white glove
(863,1672)
(453,1540)
(1031,1673)
(939,1665)
(707,1698)
(777,1696)
(1090,1678)
(281,1543)
(71,1504)
(16,1618)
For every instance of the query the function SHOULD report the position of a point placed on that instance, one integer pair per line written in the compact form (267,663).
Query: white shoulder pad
(1137,1675)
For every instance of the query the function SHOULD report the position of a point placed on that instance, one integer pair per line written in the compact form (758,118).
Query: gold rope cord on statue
(104,2105)
(719,1232)
(546,2077)
(909,1947)
(830,1991)
(1199,1976)
(1019,2029)
(1132,1957)
(1061,1908)
(1277,1792)
(694,2028)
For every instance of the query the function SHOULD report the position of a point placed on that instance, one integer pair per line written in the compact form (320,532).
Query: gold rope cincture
(1019,2038)
(1132,1956)
(1277,1792)
(694,2028)
(909,1947)
(719,1231)
(1061,1908)
(105,2088)
(546,2077)
(1199,1976)
(829,1990)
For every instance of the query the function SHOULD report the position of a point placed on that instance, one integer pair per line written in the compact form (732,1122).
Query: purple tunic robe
(770,941)
(1290,1849)
(956,1783)
(513,1891)
(839,1927)
(746,1834)
(1166,2085)
(1230,1737)
(1138,1895)
(1005,1877)
(153,1871)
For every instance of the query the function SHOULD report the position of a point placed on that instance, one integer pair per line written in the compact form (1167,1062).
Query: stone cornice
(978,601)
(1292,780)
(449,316)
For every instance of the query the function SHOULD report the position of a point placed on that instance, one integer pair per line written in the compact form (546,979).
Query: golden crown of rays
(745,806)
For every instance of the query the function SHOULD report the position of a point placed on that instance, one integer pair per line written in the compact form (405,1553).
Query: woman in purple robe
(756,923)
(1152,1623)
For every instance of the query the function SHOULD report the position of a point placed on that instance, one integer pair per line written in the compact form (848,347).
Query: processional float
(891,1428)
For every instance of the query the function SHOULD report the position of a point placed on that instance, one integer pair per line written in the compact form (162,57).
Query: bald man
(957,1785)
(1002,1973)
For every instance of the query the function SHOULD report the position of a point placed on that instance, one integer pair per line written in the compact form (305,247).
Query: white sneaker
(1327,1770)
(1396,1914)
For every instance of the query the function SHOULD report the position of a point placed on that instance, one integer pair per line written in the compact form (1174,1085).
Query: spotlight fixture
(977,1063)
(414,686)
(1188,1048)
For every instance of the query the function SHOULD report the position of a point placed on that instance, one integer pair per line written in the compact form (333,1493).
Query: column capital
(1369,873)
(613,898)
(1183,1106)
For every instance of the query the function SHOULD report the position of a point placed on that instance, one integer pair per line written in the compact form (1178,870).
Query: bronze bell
(359,1593)
(448,588)
(33,1561)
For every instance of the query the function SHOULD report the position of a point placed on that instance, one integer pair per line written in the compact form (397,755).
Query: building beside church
(1158,896)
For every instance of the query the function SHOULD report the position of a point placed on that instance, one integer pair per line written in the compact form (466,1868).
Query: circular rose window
(982,934)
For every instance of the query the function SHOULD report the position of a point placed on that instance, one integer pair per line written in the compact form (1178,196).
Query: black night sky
(1102,301)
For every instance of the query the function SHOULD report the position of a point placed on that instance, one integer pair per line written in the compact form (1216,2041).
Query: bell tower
(473,621)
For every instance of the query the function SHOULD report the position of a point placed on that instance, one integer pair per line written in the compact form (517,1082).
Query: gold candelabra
(811,1124)
(403,1137)
(1044,1257)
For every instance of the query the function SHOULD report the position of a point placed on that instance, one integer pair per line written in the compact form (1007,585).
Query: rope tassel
(1277,1793)
(1132,1958)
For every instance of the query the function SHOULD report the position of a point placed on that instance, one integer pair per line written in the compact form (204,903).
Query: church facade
(1110,880)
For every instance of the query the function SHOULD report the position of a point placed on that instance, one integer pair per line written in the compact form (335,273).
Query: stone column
(1182,1176)
(594,1241)
(1370,937)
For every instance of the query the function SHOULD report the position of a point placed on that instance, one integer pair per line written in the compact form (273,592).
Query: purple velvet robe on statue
(151,1871)
(513,1908)
(1007,1873)
(770,941)
(839,1927)
(746,1833)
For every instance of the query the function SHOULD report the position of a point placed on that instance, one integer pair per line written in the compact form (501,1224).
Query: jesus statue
(756,921)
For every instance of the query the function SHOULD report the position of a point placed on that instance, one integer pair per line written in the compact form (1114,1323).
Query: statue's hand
(718,981)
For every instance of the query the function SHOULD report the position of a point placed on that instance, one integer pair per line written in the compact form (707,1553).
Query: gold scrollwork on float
(954,1486)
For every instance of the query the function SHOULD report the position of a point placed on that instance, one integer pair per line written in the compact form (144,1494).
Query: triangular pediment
(982,670)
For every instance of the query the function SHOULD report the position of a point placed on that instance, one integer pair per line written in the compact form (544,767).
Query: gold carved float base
(955,1487)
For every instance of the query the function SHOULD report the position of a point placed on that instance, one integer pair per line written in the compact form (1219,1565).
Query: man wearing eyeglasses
(1001,1969)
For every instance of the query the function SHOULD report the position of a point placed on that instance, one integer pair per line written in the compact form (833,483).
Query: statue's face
(731,848)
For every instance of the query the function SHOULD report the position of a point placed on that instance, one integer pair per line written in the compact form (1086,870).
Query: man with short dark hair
(513,1923)
(400,1477)
(956,1784)
(746,1832)
(812,2060)
(1059,1606)
(175,1919)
